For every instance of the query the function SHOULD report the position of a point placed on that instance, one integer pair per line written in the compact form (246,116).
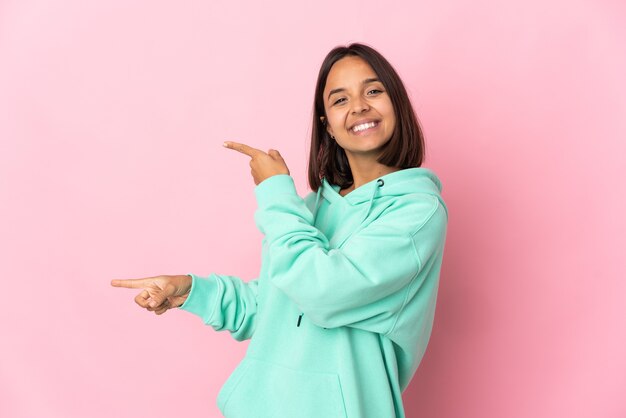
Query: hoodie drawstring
(317,200)
(380,183)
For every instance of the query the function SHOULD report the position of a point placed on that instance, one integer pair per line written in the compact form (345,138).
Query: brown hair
(405,148)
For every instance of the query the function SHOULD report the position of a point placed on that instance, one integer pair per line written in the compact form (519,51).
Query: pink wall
(112,116)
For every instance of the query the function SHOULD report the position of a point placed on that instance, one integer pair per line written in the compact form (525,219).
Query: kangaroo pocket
(262,389)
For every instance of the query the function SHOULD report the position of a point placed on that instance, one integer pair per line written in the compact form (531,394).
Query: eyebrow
(366,81)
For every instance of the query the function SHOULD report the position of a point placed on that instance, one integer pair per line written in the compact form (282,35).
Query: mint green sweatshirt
(342,310)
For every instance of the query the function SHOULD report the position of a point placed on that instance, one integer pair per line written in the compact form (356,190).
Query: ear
(328,128)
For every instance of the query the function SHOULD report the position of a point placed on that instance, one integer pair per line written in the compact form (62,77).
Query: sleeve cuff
(268,189)
(203,296)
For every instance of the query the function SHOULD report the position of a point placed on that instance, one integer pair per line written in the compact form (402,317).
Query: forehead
(348,70)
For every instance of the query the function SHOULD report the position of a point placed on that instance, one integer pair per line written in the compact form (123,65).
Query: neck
(365,170)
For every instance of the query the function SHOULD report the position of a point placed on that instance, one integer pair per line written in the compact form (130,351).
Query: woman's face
(359,110)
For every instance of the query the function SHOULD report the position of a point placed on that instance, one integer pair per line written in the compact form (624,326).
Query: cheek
(390,115)
(335,121)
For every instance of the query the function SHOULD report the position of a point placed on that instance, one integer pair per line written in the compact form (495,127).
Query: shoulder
(411,212)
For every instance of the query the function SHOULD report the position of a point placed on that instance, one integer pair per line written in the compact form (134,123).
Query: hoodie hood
(398,183)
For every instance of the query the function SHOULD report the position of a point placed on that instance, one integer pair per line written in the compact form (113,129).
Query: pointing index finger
(131,283)
(242,148)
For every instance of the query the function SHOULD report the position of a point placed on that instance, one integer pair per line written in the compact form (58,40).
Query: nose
(359,105)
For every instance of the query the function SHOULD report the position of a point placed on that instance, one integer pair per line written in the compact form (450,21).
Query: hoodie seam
(406,292)
(429,217)
(419,268)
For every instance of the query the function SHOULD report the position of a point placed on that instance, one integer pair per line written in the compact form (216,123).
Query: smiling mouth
(364,127)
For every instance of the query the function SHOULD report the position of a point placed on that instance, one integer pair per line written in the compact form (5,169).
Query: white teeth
(364,126)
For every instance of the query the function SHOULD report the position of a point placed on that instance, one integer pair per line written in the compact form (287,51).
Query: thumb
(158,297)
(274,154)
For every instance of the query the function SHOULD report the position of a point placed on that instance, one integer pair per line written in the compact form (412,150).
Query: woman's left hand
(263,164)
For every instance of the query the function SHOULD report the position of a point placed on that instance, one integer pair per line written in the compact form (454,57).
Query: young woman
(342,310)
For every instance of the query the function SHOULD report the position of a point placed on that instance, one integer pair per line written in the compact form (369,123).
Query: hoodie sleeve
(364,284)
(225,303)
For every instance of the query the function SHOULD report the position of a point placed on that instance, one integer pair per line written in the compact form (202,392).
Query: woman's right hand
(159,293)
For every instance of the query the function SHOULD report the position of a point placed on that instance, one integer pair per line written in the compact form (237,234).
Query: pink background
(112,116)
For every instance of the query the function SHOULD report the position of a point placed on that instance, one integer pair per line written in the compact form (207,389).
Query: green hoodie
(342,310)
